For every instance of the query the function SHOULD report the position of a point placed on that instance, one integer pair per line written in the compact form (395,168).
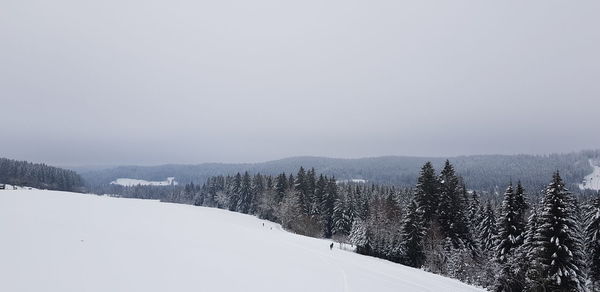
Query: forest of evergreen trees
(513,244)
(488,173)
(37,175)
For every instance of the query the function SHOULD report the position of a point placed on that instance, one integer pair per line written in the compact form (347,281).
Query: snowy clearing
(353,180)
(129,182)
(592,180)
(13,187)
(59,241)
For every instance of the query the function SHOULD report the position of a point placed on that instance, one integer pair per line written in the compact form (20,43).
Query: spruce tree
(592,238)
(451,216)
(327,202)
(427,192)
(234,192)
(521,206)
(487,229)
(413,232)
(509,230)
(301,187)
(281,186)
(511,225)
(245,194)
(342,216)
(557,243)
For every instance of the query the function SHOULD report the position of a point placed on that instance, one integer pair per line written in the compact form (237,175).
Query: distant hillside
(482,172)
(37,175)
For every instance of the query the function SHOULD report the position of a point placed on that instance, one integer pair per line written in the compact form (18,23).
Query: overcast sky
(149,82)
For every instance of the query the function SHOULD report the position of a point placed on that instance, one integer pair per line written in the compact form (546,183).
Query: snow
(13,187)
(59,241)
(128,182)
(352,180)
(592,180)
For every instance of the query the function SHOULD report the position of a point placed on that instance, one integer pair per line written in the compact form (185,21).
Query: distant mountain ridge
(482,172)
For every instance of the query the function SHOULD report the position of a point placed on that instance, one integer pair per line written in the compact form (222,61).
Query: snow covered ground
(12,187)
(59,241)
(353,180)
(134,182)
(592,180)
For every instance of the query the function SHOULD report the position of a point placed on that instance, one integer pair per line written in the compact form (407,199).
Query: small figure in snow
(331,246)
(263,224)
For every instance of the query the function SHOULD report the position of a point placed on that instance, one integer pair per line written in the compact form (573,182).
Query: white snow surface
(13,187)
(128,182)
(353,180)
(59,241)
(592,180)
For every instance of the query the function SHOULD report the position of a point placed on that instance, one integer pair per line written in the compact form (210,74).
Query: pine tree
(475,216)
(234,192)
(521,205)
(281,186)
(451,216)
(301,187)
(527,251)
(592,236)
(557,243)
(342,216)
(258,189)
(511,226)
(487,229)
(427,192)
(245,194)
(317,207)
(509,230)
(360,237)
(327,207)
(413,232)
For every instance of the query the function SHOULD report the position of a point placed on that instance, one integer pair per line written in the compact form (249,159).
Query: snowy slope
(592,180)
(58,241)
(13,187)
(134,182)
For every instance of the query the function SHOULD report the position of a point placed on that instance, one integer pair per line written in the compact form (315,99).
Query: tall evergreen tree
(557,243)
(281,186)
(451,216)
(327,207)
(234,192)
(427,192)
(342,215)
(413,232)
(487,229)
(509,226)
(592,236)
(245,194)
(301,187)
(521,205)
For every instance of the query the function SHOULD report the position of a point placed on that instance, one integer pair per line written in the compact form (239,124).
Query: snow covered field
(592,180)
(59,241)
(128,182)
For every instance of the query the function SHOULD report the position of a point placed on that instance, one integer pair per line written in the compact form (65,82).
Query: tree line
(38,175)
(439,225)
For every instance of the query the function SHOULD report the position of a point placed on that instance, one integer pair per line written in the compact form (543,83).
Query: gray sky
(147,82)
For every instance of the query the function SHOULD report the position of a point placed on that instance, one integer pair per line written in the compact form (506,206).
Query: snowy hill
(59,241)
(128,182)
(592,180)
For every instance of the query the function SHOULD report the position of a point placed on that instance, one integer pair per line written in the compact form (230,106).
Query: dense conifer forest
(481,172)
(37,175)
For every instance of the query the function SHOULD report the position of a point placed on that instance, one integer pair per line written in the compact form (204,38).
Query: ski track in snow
(58,241)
